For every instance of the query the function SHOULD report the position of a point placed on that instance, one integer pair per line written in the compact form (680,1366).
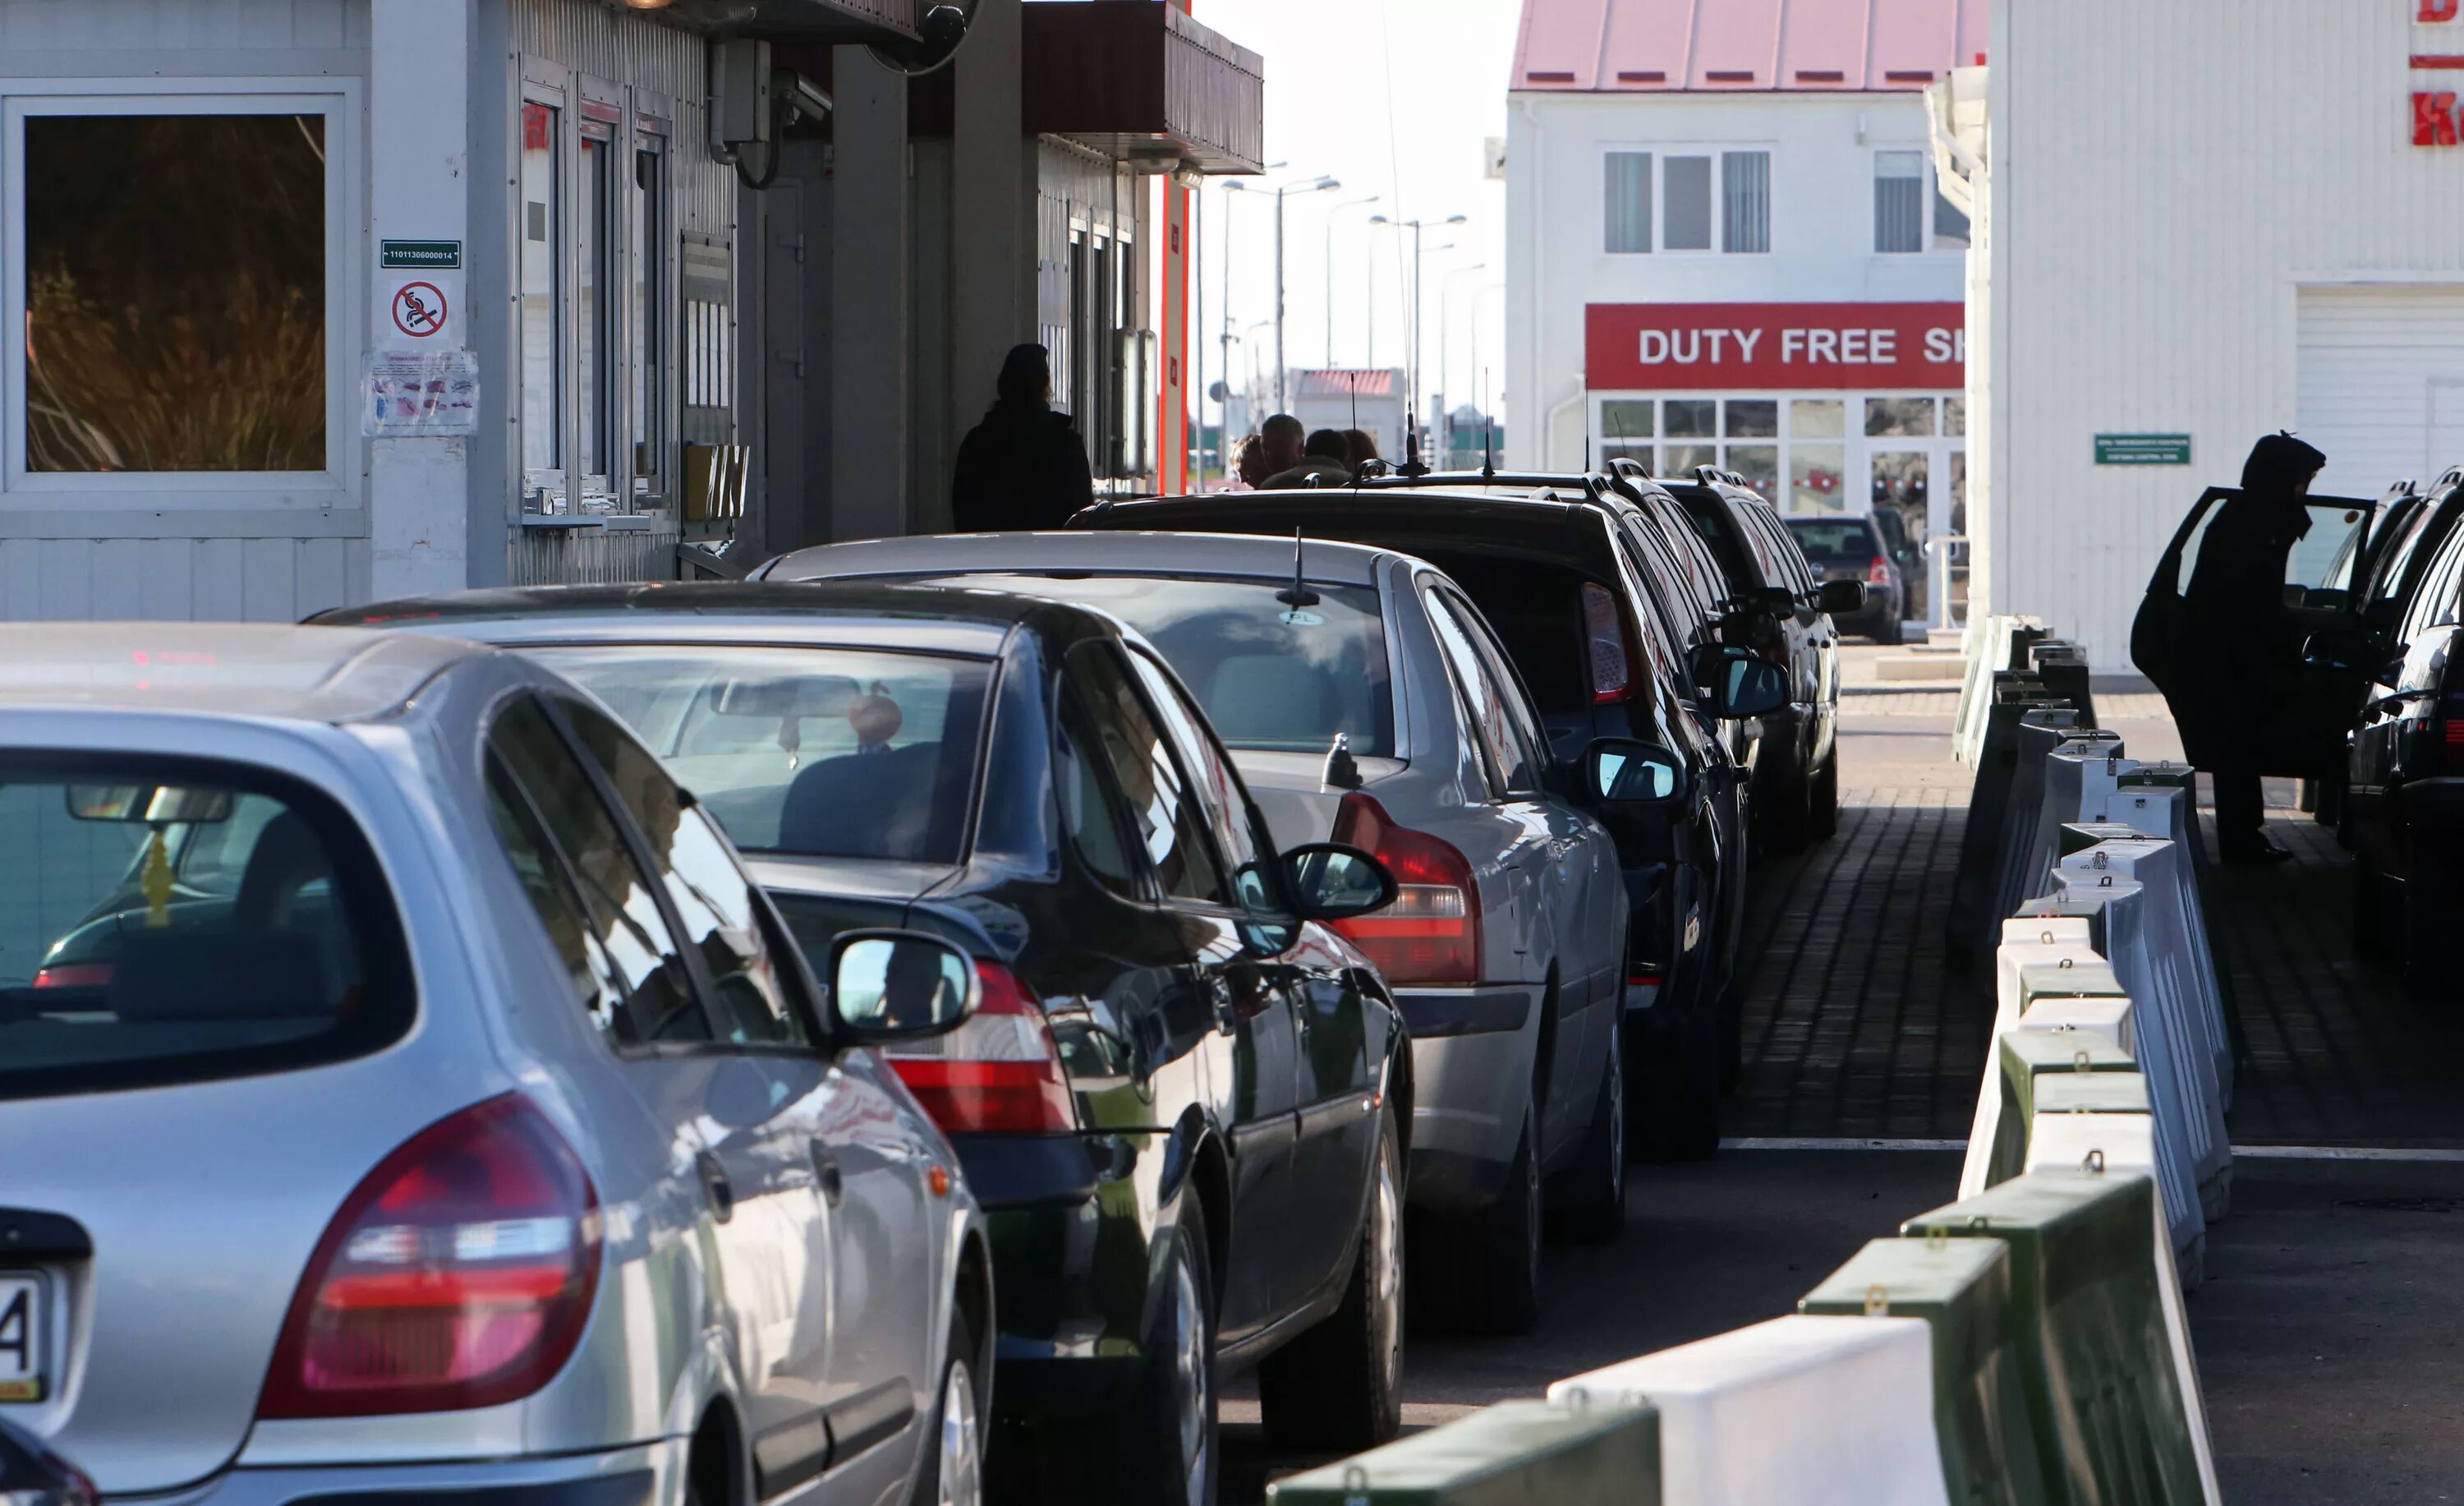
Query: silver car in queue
(1445,772)
(406,1092)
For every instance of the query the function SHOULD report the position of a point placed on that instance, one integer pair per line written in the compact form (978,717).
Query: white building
(306,302)
(1368,399)
(1725,247)
(2250,221)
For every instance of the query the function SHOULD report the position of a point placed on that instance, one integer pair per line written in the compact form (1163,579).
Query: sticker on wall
(419,309)
(420,394)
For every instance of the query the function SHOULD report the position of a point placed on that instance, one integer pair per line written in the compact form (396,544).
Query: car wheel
(1824,821)
(1480,1275)
(1339,1387)
(954,1452)
(1892,632)
(1166,1445)
(1594,1210)
(1680,1119)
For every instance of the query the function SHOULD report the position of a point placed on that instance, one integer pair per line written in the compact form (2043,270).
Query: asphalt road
(2330,1340)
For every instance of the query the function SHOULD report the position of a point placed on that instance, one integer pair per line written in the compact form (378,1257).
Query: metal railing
(1946,581)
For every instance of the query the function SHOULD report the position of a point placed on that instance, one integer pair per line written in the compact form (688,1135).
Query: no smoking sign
(419,309)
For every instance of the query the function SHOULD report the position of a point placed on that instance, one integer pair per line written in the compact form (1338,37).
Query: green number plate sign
(422,255)
(2142,450)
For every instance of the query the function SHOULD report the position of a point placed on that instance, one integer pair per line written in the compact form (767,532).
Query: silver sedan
(406,1092)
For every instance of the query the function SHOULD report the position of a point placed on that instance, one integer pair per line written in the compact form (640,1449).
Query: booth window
(594,305)
(175,293)
(543,288)
(648,231)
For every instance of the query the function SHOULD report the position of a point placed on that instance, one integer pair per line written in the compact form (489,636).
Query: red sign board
(1660,347)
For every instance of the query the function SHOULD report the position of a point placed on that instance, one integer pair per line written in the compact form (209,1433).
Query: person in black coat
(2238,636)
(1024,466)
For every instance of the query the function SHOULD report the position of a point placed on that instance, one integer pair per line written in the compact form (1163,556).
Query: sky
(1394,98)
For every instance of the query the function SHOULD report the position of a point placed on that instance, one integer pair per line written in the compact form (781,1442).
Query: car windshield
(819,752)
(175,923)
(1834,540)
(1272,678)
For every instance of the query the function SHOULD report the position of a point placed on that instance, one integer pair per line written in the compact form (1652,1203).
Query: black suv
(1796,781)
(1556,574)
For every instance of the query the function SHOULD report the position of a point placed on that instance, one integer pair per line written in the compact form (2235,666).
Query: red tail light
(74,975)
(1430,933)
(1879,573)
(996,1074)
(459,1273)
(1604,629)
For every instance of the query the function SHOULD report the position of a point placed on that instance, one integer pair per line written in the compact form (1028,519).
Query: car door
(1537,854)
(1335,1133)
(763,1227)
(2400,707)
(1253,1068)
(2313,697)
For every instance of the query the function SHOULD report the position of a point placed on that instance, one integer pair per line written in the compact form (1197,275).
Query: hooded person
(2237,638)
(1024,466)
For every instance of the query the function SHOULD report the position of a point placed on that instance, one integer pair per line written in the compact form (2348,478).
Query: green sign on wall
(425,255)
(2142,450)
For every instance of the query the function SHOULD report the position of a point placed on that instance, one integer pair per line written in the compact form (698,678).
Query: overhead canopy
(1144,83)
(838,21)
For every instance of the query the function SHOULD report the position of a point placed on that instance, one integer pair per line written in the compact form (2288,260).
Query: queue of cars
(902,1028)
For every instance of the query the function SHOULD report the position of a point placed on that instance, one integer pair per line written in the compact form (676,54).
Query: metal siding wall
(153,26)
(2155,231)
(176,578)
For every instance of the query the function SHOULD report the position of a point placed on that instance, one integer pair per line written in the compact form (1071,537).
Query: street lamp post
(1282,192)
(1446,424)
(1412,340)
(1331,214)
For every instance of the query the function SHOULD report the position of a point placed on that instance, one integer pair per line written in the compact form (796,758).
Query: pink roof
(1578,45)
(1346,381)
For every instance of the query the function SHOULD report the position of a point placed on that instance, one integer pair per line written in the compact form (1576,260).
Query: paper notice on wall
(420,394)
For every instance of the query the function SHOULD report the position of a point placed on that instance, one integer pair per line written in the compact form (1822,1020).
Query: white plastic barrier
(2115,1144)
(2115,1018)
(2149,933)
(1987,649)
(2026,944)
(1794,1410)
(2169,813)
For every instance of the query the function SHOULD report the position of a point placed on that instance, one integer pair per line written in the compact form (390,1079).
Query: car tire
(1480,1274)
(1680,1119)
(1823,823)
(1593,1212)
(1339,1388)
(1891,634)
(952,1470)
(1167,1446)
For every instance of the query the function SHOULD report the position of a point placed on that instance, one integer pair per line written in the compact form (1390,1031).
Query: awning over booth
(874,21)
(1138,80)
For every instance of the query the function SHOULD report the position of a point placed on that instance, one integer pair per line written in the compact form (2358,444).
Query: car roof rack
(1591,480)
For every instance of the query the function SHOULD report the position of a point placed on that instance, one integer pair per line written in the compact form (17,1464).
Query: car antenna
(1297,595)
(1487,434)
(1342,769)
(1353,386)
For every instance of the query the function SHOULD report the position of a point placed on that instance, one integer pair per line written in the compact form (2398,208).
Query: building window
(1685,208)
(1899,202)
(176,293)
(1744,202)
(1802,453)
(543,303)
(594,305)
(1898,416)
(1629,202)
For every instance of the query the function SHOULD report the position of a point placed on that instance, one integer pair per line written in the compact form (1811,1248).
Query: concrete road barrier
(2051,739)
(2079,1127)
(2111,1384)
(2002,813)
(2023,1057)
(2189,831)
(2175,933)
(1961,1288)
(1606,1453)
(1794,1410)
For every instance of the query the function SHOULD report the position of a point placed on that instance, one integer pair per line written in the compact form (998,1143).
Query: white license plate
(23,1345)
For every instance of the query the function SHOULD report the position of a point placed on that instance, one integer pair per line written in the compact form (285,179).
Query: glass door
(1901,489)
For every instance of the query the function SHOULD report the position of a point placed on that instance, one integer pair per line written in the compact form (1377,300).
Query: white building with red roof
(1726,246)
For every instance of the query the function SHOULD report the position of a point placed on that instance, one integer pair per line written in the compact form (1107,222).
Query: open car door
(2299,727)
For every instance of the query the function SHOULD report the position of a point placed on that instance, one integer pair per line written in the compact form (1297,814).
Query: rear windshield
(819,752)
(1273,678)
(167,921)
(1834,540)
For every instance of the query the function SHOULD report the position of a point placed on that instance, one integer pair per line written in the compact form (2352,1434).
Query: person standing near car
(1327,454)
(2236,634)
(1024,466)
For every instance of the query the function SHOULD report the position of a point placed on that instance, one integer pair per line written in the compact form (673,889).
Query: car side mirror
(2390,674)
(1743,685)
(1622,771)
(1839,598)
(1327,881)
(899,985)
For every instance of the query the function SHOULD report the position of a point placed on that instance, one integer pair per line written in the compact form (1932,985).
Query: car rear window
(180,920)
(1536,609)
(1272,676)
(819,752)
(1834,540)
